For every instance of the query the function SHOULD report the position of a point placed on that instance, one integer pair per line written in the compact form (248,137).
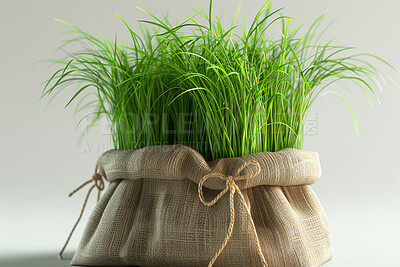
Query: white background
(41,160)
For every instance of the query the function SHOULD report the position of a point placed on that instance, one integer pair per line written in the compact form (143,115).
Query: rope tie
(97,183)
(232,187)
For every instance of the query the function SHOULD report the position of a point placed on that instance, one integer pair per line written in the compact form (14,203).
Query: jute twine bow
(99,184)
(233,188)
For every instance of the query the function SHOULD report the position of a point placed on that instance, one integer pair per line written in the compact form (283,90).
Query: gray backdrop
(41,160)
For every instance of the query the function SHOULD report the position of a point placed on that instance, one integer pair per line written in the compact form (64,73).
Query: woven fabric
(151,214)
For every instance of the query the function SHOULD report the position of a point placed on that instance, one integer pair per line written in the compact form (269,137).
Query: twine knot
(97,183)
(233,188)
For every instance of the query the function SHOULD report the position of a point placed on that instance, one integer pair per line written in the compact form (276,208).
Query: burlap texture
(151,214)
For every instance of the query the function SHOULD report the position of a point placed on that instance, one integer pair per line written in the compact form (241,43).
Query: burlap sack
(152,215)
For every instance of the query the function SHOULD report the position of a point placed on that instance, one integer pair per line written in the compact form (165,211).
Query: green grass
(225,91)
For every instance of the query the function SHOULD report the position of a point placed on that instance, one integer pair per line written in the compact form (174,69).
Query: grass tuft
(204,85)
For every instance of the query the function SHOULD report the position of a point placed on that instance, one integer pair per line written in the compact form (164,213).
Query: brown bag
(167,206)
